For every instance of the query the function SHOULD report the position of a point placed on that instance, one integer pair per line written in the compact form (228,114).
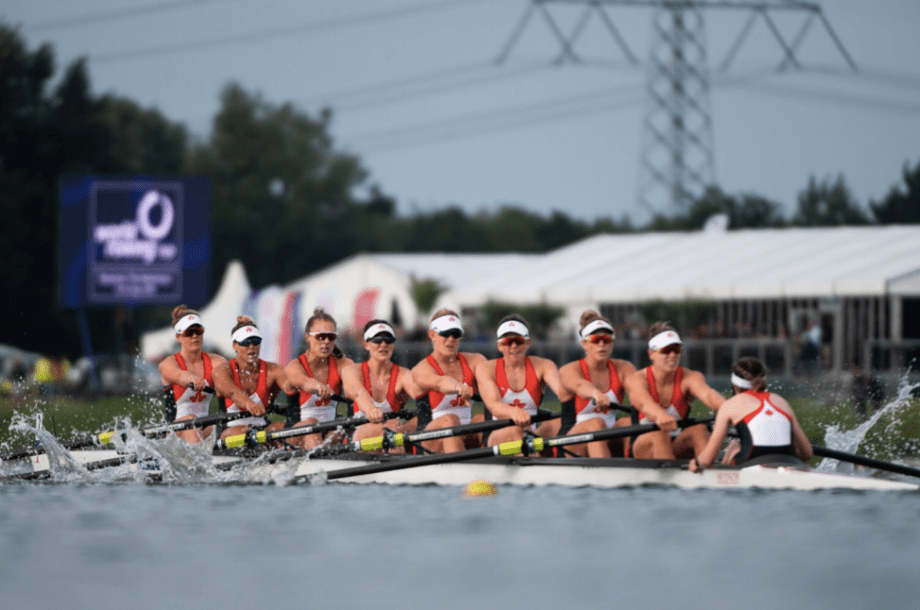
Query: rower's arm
(800,441)
(428,379)
(492,398)
(636,387)
(696,384)
(548,372)
(298,379)
(353,387)
(223,383)
(571,379)
(278,381)
(719,431)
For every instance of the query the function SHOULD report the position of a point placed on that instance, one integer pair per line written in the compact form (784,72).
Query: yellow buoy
(480,488)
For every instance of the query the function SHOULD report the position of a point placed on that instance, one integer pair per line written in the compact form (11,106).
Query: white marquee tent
(720,265)
(357,289)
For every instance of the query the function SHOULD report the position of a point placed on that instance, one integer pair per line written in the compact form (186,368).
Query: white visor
(188,321)
(245,332)
(668,337)
(447,322)
(594,327)
(741,382)
(376,329)
(514,327)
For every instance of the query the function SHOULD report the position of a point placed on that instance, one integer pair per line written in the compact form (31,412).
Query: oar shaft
(504,449)
(261,437)
(865,461)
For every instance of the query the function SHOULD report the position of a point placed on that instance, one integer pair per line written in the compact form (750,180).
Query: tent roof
(744,264)
(452,270)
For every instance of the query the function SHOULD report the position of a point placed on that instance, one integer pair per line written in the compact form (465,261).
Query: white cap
(513,326)
(245,332)
(187,321)
(446,322)
(594,326)
(664,339)
(376,329)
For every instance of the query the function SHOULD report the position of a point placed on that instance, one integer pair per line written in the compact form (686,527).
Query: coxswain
(379,385)
(186,374)
(593,388)
(248,383)
(765,422)
(512,386)
(664,392)
(315,378)
(448,375)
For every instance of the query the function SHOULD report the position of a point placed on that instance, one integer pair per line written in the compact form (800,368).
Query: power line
(95,18)
(287,30)
(512,117)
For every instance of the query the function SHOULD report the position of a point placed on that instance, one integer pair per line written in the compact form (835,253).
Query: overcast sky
(417,94)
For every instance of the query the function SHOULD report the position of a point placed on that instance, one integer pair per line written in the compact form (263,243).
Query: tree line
(285,197)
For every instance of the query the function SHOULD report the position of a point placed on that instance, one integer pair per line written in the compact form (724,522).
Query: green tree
(282,193)
(900,206)
(47,130)
(744,212)
(827,204)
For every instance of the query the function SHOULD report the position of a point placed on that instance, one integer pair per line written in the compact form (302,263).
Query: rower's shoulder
(216,359)
(473,359)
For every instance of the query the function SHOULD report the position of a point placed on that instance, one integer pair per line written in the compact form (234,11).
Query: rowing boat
(772,472)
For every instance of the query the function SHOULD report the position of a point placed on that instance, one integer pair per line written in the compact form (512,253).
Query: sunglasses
(670,349)
(602,338)
(195,331)
(456,333)
(512,340)
(324,336)
(378,339)
(250,341)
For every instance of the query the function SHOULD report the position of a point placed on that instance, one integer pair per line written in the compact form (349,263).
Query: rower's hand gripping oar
(391,439)
(527,446)
(254,438)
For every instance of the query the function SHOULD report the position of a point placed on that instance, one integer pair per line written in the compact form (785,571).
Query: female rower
(592,385)
(315,374)
(379,385)
(663,392)
(764,421)
(448,377)
(249,383)
(186,374)
(497,380)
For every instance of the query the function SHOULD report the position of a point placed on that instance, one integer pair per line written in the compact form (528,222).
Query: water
(142,546)
(106,539)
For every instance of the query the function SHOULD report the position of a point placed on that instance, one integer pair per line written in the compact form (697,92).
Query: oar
(865,461)
(389,441)
(527,446)
(106,437)
(253,438)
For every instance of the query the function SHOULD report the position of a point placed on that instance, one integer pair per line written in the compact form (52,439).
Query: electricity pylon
(678,159)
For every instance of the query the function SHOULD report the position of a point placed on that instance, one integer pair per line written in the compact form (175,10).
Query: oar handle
(253,438)
(376,443)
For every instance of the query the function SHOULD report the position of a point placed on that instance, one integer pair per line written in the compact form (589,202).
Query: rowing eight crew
(591,390)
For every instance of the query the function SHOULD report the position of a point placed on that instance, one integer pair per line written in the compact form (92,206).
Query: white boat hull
(612,473)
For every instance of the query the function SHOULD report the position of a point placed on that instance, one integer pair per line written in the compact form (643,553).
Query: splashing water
(850,440)
(60,462)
